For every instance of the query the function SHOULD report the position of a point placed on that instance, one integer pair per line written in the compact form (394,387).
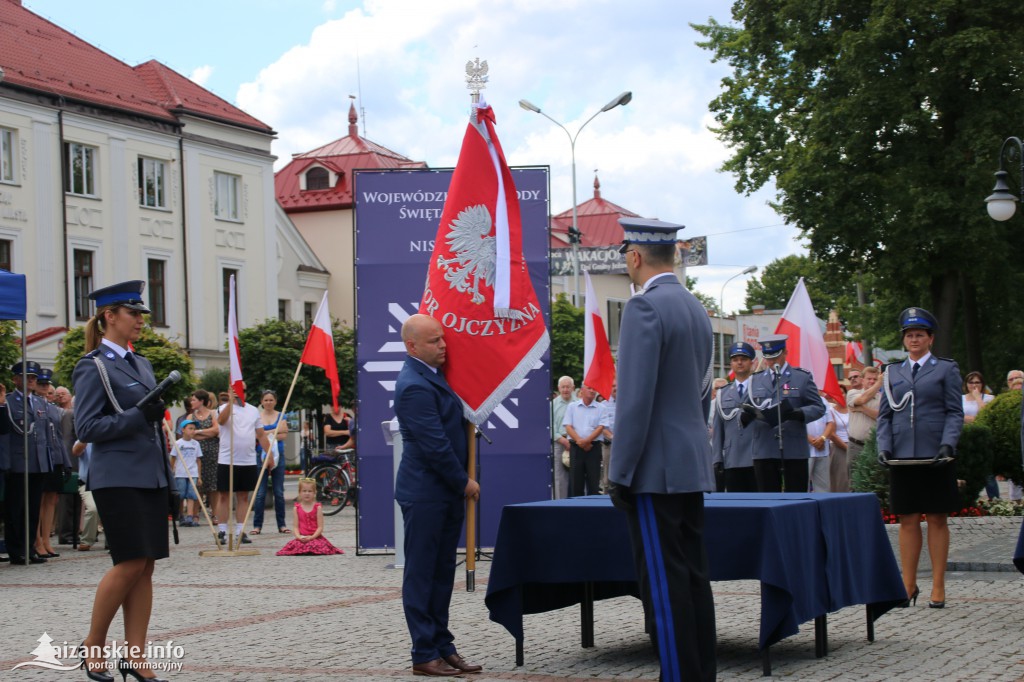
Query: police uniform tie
(913,372)
(739,388)
(130,357)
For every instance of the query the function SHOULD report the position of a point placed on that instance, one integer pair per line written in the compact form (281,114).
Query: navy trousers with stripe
(668,548)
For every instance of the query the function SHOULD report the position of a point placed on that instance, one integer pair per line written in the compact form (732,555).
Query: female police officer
(920,418)
(127,474)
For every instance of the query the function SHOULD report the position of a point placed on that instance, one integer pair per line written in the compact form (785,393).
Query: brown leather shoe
(435,668)
(460,663)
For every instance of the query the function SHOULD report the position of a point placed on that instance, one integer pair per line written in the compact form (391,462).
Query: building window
(225,277)
(282,309)
(318,178)
(226,196)
(307,314)
(81,169)
(6,246)
(157,292)
(8,141)
(83,284)
(152,183)
(615,307)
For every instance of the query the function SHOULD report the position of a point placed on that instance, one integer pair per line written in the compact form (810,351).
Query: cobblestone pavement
(340,618)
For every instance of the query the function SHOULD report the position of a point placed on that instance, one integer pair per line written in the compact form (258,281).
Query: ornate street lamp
(1002,203)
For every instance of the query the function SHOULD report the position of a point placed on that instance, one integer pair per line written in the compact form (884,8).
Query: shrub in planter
(868,476)
(1002,415)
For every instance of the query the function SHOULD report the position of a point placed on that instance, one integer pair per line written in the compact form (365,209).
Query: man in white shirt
(608,422)
(862,400)
(818,433)
(582,423)
(237,468)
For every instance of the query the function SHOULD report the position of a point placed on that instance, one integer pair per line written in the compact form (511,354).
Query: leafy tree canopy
(10,345)
(164,354)
(879,125)
(270,353)
(566,340)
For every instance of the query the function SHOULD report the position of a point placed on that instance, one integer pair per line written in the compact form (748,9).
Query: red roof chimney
(353,118)
(597,187)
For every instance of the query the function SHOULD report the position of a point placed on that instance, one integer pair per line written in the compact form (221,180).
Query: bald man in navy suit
(432,487)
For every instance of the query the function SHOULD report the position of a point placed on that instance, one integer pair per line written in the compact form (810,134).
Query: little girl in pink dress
(308,522)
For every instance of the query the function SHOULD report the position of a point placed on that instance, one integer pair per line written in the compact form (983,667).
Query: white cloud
(201,74)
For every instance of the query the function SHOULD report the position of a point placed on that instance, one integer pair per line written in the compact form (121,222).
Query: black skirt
(923,489)
(135,522)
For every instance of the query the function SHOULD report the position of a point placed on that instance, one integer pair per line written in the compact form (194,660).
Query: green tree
(706,300)
(270,352)
(214,380)
(164,354)
(566,340)
(1002,416)
(10,345)
(774,287)
(879,124)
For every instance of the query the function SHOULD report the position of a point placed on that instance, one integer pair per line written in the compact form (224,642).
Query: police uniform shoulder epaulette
(91,354)
(938,357)
(800,369)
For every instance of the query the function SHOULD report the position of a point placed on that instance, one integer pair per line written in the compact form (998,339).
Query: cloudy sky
(294,63)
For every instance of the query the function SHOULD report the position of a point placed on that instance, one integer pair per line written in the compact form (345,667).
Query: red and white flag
(805,346)
(234,356)
(598,364)
(478,285)
(319,350)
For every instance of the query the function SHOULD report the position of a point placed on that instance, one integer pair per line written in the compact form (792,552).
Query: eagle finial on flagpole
(476,78)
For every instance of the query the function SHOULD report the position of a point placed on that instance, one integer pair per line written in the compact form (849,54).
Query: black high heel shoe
(126,668)
(913,598)
(101,676)
(937,604)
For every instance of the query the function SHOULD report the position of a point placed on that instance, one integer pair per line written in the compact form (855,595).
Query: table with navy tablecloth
(812,553)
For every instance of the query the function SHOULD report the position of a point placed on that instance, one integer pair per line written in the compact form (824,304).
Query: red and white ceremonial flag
(234,356)
(805,346)
(319,350)
(598,364)
(478,285)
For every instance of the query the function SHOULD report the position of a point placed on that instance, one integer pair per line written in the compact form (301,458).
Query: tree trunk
(944,298)
(972,333)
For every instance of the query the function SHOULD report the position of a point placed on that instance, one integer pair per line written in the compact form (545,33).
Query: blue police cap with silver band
(918,318)
(126,294)
(772,346)
(44,375)
(740,348)
(31,368)
(645,232)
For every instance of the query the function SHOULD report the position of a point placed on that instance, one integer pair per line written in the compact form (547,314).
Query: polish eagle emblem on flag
(474,253)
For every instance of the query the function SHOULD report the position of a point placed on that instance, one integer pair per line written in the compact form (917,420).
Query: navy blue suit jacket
(434,446)
(127,451)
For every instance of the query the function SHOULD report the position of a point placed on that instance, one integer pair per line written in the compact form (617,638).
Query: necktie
(130,357)
(913,372)
(739,388)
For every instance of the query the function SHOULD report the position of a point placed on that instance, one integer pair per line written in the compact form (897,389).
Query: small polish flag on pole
(319,350)
(598,364)
(234,356)
(806,345)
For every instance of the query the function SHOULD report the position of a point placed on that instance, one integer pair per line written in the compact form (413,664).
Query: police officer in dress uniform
(128,469)
(660,466)
(732,444)
(785,394)
(431,488)
(920,417)
(53,483)
(25,411)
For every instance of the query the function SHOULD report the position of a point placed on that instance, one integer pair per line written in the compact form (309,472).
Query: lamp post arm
(1020,156)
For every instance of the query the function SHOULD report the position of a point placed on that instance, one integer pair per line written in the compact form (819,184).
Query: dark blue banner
(396,220)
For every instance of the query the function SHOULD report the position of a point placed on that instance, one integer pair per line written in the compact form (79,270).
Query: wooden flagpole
(168,431)
(273,445)
(471,511)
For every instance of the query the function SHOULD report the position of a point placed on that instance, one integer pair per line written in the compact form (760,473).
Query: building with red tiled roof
(598,221)
(315,189)
(110,172)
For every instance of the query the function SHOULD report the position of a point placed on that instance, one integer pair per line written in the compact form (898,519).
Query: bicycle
(334,474)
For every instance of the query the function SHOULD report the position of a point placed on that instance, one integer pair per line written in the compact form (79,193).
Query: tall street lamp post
(721,311)
(574,232)
(1002,203)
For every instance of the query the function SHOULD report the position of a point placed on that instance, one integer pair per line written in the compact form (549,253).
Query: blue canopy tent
(14,306)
